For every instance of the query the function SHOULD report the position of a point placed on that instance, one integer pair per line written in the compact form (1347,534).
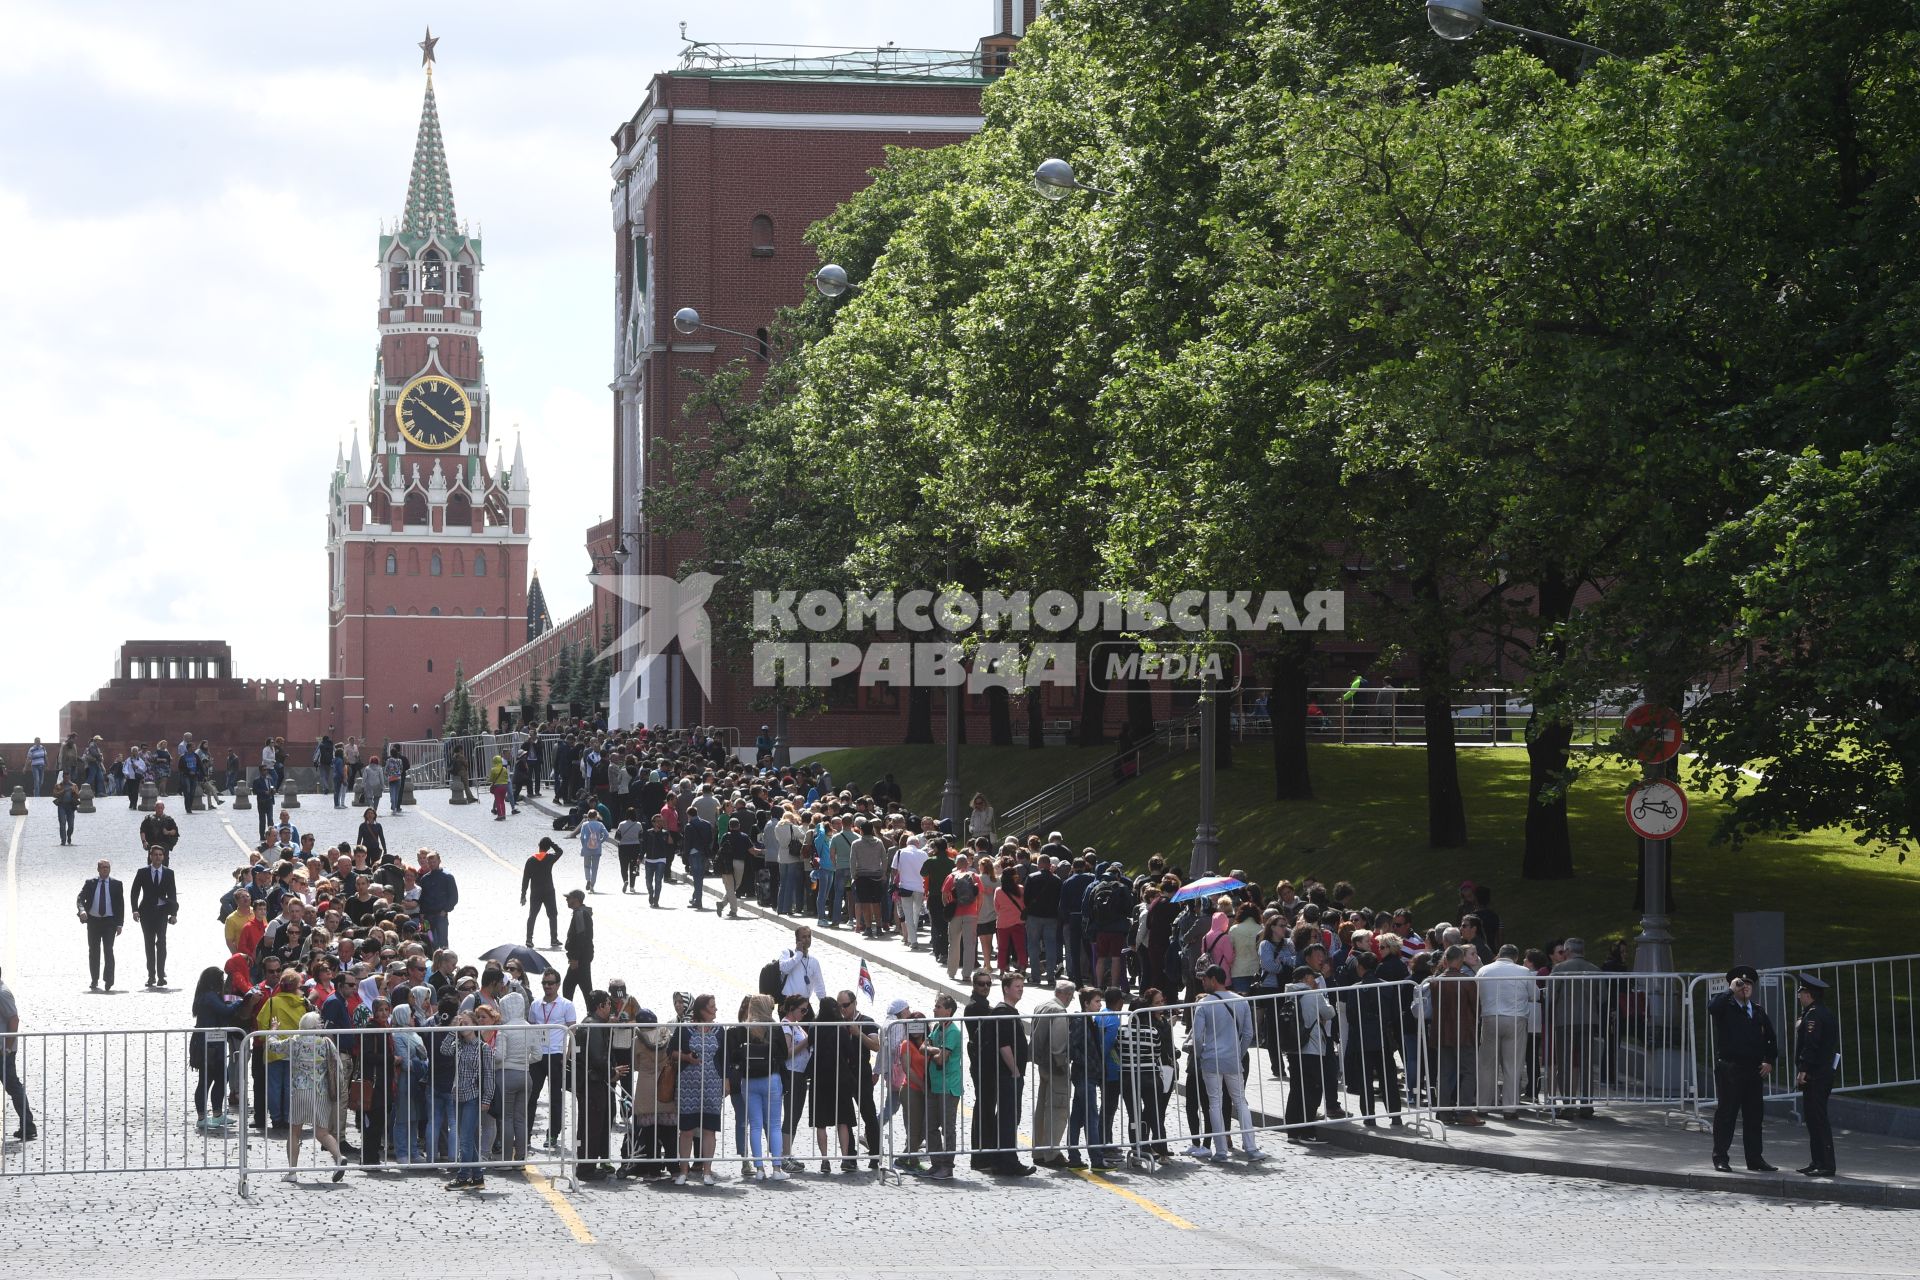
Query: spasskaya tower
(426,541)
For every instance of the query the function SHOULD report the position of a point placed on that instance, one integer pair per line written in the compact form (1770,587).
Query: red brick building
(162,689)
(729,159)
(426,538)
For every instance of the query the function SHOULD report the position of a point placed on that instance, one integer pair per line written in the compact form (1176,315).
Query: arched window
(761,346)
(479,564)
(433,565)
(382,509)
(397,279)
(760,234)
(416,508)
(413,562)
(434,611)
(434,272)
(393,564)
(429,664)
(463,280)
(459,613)
(459,512)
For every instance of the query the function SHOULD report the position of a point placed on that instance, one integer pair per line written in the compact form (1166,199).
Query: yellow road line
(558,1203)
(1165,1215)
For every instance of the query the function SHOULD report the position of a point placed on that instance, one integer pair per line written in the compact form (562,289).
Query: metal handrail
(1091,783)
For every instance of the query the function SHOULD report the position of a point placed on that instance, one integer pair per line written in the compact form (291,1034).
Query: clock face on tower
(434,412)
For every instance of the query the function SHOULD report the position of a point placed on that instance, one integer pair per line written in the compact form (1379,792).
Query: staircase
(1061,801)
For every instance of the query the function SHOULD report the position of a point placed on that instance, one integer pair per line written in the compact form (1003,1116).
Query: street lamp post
(1205,860)
(1459,19)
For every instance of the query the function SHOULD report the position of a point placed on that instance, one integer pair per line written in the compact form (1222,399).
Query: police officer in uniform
(1745,1046)
(1816,1056)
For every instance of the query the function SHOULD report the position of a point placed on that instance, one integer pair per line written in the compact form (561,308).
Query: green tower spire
(429,189)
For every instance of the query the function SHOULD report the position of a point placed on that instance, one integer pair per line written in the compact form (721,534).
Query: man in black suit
(1744,1049)
(102,906)
(156,905)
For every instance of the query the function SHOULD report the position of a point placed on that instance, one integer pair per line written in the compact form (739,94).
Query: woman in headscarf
(314,1096)
(514,1049)
(409,1087)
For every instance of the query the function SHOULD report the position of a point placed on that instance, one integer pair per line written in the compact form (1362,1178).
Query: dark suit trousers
(1813,1105)
(99,947)
(579,978)
(1737,1096)
(153,933)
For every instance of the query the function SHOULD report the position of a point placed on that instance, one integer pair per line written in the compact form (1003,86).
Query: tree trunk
(1548,854)
(919,715)
(1446,804)
(1140,710)
(1288,709)
(999,716)
(1093,709)
(1036,718)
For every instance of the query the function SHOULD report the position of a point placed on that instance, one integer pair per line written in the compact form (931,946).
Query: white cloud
(189,201)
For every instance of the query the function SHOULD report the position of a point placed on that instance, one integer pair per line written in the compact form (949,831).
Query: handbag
(666,1085)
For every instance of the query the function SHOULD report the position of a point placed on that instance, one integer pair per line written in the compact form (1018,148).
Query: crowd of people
(450,1063)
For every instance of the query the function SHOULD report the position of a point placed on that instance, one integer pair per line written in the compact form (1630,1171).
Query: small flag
(866,980)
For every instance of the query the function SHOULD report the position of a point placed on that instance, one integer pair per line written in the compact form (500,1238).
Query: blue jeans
(833,887)
(1076,952)
(793,887)
(1043,947)
(39,778)
(409,1111)
(393,790)
(339,793)
(590,865)
(763,1117)
(1083,1116)
(697,872)
(441,1143)
(467,1125)
(656,879)
(278,1076)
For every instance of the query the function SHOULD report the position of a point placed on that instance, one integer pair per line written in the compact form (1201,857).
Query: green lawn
(1368,825)
(1007,775)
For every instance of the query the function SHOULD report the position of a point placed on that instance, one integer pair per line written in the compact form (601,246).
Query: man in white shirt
(1508,991)
(910,888)
(555,1014)
(799,971)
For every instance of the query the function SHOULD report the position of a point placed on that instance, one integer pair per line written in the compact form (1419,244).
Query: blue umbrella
(1207,886)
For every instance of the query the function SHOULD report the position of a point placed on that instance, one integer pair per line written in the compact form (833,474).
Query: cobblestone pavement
(1320,1211)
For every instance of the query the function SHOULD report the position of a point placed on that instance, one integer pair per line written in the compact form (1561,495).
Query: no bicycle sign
(1656,809)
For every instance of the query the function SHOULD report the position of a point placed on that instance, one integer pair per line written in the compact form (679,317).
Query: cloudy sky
(190,195)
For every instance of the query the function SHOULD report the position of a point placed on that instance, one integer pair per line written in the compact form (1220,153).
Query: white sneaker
(781,1175)
(708,1180)
(1198,1152)
(289,1176)
(679,1179)
(1255,1156)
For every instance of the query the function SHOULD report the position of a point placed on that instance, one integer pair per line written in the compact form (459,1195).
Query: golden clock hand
(443,417)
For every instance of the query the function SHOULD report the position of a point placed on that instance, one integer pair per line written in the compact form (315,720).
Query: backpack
(965,890)
(1110,903)
(772,981)
(1286,1024)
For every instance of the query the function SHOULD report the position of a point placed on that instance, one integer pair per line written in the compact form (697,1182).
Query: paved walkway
(1325,1211)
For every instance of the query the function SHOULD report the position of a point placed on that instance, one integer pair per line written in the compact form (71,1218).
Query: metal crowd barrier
(111,1102)
(395,1093)
(1875,1001)
(1564,1042)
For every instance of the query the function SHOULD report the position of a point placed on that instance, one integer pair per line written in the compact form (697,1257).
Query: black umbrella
(531,961)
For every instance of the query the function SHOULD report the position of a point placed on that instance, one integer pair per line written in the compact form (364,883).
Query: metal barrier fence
(1875,1002)
(1501,1040)
(439,1097)
(112,1102)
